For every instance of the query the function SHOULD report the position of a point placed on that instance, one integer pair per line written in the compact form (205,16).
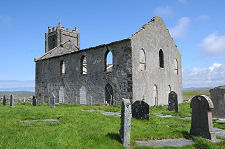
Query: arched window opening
(83,65)
(53,43)
(142,60)
(61,94)
(169,89)
(62,68)
(176,66)
(108,61)
(155,95)
(108,94)
(83,98)
(161,59)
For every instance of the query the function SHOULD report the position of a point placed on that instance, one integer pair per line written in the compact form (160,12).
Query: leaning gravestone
(52,101)
(201,119)
(172,101)
(140,110)
(4,101)
(11,101)
(34,101)
(125,122)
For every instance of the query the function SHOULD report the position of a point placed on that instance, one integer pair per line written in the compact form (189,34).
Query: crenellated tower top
(58,35)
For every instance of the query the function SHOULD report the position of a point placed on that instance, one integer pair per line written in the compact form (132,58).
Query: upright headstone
(52,101)
(201,119)
(125,122)
(4,101)
(34,101)
(11,101)
(140,110)
(172,101)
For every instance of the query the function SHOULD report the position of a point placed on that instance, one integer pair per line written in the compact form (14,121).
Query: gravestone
(201,119)
(52,101)
(4,101)
(34,101)
(125,122)
(173,102)
(11,101)
(140,110)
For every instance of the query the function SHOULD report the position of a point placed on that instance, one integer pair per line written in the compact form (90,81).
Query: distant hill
(193,88)
(189,94)
(17,93)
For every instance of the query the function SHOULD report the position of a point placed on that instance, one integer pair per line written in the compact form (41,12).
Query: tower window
(62,68)
(108,61)
(83,65)
(161,59)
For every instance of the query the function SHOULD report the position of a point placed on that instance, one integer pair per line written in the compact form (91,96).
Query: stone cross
(34,101)
(201,119)
(4,100)
(172,101)
(11,101)
(125,122)
(52,101)
(140,110)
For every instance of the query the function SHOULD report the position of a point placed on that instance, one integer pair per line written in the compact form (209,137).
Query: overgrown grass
(80,129)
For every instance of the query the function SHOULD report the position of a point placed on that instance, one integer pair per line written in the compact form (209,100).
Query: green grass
(80,129)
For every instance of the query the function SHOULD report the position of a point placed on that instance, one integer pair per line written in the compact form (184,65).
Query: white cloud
(5,20)
(203,17)
(182,1)
(204,77)
(180,29)
(215,65)
(212,45)
(163,11)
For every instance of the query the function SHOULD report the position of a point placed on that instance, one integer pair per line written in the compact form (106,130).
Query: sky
(197,27)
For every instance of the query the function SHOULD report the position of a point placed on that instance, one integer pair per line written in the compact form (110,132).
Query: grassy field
(80,129)
(188,94)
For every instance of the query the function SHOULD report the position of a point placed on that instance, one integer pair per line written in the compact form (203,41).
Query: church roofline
(82,50)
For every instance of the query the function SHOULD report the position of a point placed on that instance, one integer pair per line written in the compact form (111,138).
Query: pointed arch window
(83,65)
(176,66)
(109,94)
(142,60)
(155,95)
(169,89)
(108,61)
(161,59)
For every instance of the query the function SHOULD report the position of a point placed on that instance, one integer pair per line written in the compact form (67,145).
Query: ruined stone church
(146,66)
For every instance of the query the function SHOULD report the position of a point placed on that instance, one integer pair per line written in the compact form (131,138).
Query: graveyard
(79,126)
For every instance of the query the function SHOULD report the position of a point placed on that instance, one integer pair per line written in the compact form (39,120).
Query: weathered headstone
(11,101)
(34,101)
(140,110)
(125,122)
(201,119)
(172,101)
(4,101)
(52,101)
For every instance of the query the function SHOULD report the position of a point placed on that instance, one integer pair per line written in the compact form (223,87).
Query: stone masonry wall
(151,38)
(49,80)
(217,97)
